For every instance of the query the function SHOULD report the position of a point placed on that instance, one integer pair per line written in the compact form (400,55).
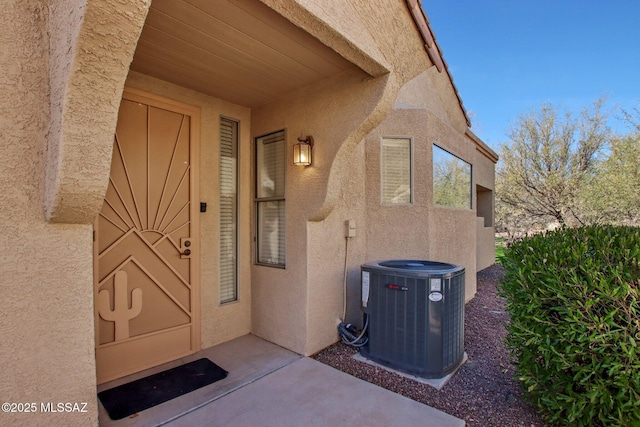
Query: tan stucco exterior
(429,231)
(91,47)
(65,65)
(484,183)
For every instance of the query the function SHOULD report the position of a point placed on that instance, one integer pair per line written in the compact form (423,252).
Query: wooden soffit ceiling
(238,50)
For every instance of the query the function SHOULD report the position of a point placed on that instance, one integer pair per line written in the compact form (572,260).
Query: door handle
(185,243)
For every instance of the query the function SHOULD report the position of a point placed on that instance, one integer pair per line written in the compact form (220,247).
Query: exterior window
(451,180)
(228,210)
(396,171)
(270,202)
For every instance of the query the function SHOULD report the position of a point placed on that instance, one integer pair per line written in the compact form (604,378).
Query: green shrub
(501,245)
(573,297)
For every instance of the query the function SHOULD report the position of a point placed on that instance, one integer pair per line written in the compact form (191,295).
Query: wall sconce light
(302,151)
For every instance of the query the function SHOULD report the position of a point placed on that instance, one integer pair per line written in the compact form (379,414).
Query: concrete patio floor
(268,385)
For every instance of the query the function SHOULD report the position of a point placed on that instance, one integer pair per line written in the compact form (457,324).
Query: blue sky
(508,57)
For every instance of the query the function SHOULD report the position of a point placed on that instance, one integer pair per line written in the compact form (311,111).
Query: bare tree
(632,117)
(613,194)
(550,156)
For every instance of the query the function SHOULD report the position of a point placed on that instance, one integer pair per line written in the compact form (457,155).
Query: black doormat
(136,396)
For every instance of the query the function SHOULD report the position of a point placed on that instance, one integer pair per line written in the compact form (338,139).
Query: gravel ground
(483,391)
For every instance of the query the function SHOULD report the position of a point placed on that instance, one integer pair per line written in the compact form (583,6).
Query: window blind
(271,165)
(228,210)
(396,170)
(270,201)
(271,233)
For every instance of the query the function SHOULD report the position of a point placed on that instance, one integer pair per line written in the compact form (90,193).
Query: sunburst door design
(146,277)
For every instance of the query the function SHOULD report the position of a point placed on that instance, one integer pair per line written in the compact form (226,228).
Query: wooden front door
(146,292)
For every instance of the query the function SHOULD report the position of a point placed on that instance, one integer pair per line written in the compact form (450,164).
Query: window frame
(259,200)
(235,215)
(433,186)
(411,171)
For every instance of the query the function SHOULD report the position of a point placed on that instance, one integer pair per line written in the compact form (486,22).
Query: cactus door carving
(145,250)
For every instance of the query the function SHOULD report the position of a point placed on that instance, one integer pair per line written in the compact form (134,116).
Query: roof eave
(483,148)
(433,50)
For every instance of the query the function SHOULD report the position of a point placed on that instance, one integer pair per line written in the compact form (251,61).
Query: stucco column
(92,43)
(63,68)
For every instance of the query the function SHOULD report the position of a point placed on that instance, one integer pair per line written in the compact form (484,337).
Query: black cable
(348,335)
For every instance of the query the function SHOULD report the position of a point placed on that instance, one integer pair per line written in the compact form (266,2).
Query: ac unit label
(365,288)
(435,296)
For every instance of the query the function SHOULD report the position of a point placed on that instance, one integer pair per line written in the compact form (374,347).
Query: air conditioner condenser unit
(415,312)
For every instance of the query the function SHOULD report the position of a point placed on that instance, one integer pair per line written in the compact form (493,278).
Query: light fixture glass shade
(302,154)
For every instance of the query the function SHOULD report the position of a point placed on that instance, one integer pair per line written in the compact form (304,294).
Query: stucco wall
(428,114)
(401,231)
(421,230)
(92,45)
(299,307)
(283,299)
(454,229)
(219,323)
(432,91)
(484,175)
(45,270)
(485,245)
(330,254)
(427,231)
